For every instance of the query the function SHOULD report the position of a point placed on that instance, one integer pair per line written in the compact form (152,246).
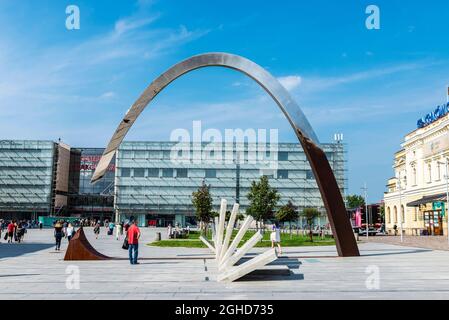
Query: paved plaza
(427,242)
(33,270)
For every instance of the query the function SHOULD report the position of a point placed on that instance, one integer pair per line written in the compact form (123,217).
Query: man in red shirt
(133,241)
(11,229)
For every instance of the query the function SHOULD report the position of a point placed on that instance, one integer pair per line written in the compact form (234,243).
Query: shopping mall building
(144,181)
(416,194)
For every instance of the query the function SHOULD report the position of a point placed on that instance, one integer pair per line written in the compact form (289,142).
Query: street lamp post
(446,163)
(365,189)
(400,207)
(447,196)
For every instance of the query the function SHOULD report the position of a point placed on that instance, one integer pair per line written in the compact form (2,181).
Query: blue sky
(371,85)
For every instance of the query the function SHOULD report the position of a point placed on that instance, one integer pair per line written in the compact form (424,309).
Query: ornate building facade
(416,196)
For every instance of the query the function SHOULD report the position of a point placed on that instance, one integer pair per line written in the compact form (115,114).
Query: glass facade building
(152,181)
(155,185)
(86,199)
(27,178)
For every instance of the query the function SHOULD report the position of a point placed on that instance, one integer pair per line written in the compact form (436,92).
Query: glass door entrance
(433,222)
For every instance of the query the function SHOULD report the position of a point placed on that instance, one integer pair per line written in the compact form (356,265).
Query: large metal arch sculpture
(330,192)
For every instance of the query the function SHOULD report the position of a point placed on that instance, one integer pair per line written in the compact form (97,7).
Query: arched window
(388,215)
(402,214)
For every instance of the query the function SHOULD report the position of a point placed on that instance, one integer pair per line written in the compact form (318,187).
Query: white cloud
(290,82)
(125,25)
(37,83)
(313,83)
(108,95)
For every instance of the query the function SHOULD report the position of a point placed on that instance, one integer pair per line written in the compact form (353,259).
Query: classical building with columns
(416,194)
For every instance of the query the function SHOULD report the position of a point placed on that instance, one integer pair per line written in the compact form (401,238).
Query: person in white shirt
(119,231)
(169,231)
(275,237)
(70,231)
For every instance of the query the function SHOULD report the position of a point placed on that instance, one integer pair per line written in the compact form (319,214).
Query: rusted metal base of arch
(332,198)
(80,249)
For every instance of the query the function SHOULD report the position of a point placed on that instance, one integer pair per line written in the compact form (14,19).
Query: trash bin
(158,236)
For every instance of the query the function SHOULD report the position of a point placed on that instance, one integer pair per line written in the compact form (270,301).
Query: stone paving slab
(33,270)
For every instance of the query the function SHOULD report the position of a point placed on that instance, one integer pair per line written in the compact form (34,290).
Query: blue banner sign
(439,112)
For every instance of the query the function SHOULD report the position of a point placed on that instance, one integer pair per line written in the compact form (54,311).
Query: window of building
(140,154)
(166,154)
(126,172)
(153,173)
(309,175)
(139,173)
(167,173)
(211,173)
(269,173)
(181,173)
(395,214)
(283,156)
(402,214)
(282,174)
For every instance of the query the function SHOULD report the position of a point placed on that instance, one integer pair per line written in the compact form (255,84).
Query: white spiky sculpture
(226,252)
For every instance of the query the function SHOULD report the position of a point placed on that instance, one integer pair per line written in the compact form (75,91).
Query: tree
(202,202)
(262,200)
(287,213)
(382,212)
(355,201)
(310,214)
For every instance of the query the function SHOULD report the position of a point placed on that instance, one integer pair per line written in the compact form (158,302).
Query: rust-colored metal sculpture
(80,249)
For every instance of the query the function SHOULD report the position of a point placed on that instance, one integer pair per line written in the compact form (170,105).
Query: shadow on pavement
(8,250)
(395,253)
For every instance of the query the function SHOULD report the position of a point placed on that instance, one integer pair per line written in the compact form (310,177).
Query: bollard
(158,236)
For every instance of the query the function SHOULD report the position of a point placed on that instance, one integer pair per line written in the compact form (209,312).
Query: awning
(428,199)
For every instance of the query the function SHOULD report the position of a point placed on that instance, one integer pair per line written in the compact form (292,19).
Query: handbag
(125,245)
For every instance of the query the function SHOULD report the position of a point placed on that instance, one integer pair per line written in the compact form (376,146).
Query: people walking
(275,237)
(133,241)
(58,233)
(70,231)
(111,228)
(97,230)
(119,231)
(169,231)
(20,231)
(11,230)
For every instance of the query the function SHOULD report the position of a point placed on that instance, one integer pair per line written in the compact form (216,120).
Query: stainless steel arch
(333,201)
